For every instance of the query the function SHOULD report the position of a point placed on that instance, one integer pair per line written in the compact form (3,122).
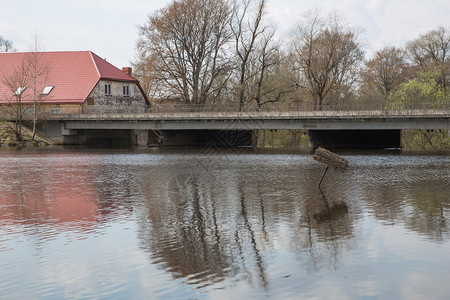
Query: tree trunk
(34,121)
(19,123)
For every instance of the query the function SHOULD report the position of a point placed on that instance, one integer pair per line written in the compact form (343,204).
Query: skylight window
(47,90)
(19,91)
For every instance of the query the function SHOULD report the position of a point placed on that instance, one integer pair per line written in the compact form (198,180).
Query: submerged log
(331,160)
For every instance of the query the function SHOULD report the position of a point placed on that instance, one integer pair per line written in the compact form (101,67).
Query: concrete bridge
(312,120)
(349,127)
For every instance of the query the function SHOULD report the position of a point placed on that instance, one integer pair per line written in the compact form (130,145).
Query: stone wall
(135,99)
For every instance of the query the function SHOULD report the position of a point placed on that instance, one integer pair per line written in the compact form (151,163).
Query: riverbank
(8,137)
(412,140)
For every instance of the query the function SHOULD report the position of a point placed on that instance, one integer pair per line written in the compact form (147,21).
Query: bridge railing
(348,109)
(356,106)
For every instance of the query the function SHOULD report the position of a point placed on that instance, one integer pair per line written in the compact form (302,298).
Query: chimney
(127,70)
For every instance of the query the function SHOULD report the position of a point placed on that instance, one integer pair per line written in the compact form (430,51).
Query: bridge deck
(326,120)
(328,114)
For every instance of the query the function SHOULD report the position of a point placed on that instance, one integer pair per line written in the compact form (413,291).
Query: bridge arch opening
(356,139)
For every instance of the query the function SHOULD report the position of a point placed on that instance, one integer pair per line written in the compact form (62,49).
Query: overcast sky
(109,27)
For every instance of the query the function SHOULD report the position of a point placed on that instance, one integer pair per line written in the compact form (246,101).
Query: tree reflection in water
(254,224)
(417,200)
(212,226)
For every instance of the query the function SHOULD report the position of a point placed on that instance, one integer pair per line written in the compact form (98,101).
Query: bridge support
(356,139)
(91,137)
(58,132)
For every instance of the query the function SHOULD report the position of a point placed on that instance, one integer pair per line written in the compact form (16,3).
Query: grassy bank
(426,140)
(283,138)
(414,140)
(8,137)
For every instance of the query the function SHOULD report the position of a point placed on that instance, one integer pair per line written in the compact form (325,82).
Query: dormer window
(47,90)
(19,91)
(107,89)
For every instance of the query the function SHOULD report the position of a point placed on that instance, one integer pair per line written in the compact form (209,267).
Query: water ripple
(184,225)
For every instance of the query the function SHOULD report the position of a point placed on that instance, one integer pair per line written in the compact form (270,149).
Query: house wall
(28,110)
(116,99)
(97,101)
(62,108)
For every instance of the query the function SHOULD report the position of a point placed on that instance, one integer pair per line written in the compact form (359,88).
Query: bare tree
(272,82)
(432,50)
(383,72)
(17,84)
(432,47)
(6,45)
(248,29)
(144,70)
(328,57)
(26,90)
(39,72)
(185,43)
(258,57)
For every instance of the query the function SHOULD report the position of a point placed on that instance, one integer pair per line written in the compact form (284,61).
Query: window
(108,89)
(47,90)
(19,91)
(29,111)
(55,111)
(126,90)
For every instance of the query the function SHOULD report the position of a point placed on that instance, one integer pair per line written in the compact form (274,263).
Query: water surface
(221,225)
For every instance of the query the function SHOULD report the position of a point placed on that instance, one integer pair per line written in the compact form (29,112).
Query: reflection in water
(415,198)
(47,195)
(246,225)
(334,211)
(224,222)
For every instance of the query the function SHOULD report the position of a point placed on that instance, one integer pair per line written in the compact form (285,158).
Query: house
(70,82)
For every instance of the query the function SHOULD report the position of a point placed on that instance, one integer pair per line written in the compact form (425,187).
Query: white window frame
(55,111)
(28,111)
(108,89)
(126,90)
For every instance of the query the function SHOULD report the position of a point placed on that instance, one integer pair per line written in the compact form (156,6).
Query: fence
(272,107)
(355,108)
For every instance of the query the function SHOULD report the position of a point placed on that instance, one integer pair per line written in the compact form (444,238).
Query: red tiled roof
(72,73)
(108,71)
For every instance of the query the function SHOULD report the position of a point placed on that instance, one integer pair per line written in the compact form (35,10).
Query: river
(216,224)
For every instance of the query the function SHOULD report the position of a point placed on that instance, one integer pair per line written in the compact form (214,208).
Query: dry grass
(8,137)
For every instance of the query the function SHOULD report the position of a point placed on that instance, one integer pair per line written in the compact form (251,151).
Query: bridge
(380,121)
(318,120)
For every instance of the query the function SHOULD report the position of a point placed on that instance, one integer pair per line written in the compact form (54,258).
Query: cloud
(383,22)
(109,28)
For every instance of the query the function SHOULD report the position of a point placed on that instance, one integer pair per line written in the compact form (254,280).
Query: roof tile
(73,74)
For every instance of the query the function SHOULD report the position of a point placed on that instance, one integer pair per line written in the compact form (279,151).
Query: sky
(109,27)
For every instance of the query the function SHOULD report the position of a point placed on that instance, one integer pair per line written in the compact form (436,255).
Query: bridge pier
(93,137)
(356,139)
